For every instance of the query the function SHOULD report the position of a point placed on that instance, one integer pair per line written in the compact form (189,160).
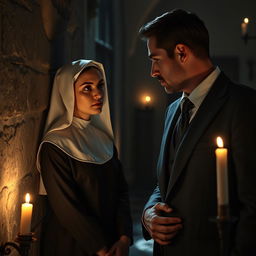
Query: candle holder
(22,245)
(225,224)
(246,38)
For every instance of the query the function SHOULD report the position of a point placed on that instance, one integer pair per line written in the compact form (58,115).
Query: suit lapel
(171,118)
(205,114)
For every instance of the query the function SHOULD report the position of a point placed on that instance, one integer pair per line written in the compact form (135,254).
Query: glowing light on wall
(244,30)
(146,101)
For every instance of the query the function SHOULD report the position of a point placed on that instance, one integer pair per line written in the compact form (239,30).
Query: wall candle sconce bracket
(246,38)
(244,29)
(22,245)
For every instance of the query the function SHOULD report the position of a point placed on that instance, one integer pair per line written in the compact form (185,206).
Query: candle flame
(246,20)
(27,198)
(147,99)
(220,142)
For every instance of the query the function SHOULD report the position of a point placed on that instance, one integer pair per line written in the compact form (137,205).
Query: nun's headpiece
(86,141)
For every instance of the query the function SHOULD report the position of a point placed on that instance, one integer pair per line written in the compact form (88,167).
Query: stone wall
(36,37)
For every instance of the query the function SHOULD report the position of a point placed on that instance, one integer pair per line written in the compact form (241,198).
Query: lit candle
(26,215)
(222,178)
(147,100)
(244,26)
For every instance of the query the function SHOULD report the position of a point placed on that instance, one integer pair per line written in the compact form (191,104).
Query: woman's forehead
(92,75)
(91,72)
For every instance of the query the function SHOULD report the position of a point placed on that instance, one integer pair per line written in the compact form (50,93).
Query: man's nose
(154,70)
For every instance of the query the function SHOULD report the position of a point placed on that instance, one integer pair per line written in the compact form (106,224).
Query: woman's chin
(97,111)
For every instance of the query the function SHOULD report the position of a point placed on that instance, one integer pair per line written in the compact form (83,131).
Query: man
(178,212)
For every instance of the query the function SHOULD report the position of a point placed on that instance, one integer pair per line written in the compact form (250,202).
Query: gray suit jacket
(189,185)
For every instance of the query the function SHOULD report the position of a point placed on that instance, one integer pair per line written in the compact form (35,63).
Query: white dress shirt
(199,93)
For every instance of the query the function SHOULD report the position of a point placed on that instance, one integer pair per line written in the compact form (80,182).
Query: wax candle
(244,26)
(26,215)
(222,175)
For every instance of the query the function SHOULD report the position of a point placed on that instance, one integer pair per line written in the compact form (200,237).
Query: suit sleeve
(156,196)
(66,202)
(243,154)
(154,199)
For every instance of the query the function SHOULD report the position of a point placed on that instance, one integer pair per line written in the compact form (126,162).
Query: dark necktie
(183,122)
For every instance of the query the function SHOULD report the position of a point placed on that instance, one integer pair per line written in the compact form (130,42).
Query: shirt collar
(199,93)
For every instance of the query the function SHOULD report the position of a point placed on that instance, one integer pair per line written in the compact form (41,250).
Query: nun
(87,194)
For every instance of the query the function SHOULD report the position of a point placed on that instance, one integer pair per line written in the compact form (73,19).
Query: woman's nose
(98,94)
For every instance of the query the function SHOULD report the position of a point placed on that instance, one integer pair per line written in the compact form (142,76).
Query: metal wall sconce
(246,38)
(22,245)
(25,237)
(244,29)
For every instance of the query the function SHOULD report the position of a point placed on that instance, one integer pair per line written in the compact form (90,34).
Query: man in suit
(177,214)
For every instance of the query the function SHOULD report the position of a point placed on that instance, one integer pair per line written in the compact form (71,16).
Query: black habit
(88,204)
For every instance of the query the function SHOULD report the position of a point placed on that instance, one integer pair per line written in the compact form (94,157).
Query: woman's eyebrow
(89,82)
(85,83)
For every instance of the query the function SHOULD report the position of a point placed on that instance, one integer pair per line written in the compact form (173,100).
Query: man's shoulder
(242,92)
(243,88)
(236,87)
(237,92)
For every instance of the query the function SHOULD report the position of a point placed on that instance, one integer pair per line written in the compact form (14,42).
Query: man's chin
(168,91)
(165,85)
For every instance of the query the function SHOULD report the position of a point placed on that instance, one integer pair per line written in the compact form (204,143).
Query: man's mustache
(160,78)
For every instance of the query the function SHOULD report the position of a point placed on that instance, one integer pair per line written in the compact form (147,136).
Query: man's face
(169,71)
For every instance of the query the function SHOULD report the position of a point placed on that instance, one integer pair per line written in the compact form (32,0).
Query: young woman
(83,178)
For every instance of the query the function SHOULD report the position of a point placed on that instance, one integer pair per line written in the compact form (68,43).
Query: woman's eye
(101,86)
(87,89)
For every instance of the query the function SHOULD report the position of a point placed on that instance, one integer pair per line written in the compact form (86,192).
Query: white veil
(82,140)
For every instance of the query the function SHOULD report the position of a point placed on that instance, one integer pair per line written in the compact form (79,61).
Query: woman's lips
(97,105)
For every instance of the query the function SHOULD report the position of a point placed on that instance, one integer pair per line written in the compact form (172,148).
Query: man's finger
(163,207)
(164,237)
(159,241)
(158,220)
(166,229)
(111,251)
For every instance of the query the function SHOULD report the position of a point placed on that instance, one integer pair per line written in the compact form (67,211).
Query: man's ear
(181,51)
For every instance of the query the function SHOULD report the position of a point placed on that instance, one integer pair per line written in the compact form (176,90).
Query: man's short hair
(178,27)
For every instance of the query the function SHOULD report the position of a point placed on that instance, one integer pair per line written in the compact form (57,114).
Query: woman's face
(89,94)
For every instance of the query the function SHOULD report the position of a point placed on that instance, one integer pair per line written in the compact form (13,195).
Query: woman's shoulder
(49,148)
(52,156)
